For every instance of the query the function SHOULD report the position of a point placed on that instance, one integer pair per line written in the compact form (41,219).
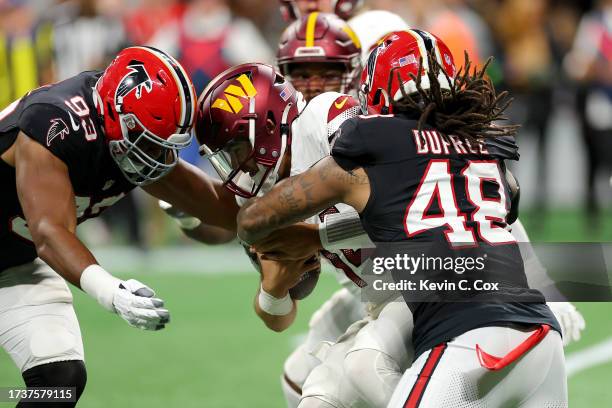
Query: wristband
(274,306)
(100,285)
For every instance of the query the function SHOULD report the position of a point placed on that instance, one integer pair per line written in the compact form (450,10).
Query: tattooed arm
(302,196)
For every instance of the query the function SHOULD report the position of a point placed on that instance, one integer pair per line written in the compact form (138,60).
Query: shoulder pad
(340,105)
(344,107)
(503,147)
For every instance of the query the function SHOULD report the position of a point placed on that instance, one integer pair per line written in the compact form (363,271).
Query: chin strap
(387,105)
(285,132)
(252,118)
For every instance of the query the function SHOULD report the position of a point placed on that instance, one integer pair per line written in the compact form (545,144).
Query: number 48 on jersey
(488,216)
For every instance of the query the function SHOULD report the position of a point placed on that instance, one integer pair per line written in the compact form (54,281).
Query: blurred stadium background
(554,56)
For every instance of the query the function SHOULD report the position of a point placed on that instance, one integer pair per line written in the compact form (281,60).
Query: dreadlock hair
(468,110)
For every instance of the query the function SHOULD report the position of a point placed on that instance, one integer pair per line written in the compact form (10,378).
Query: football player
(68,151)
(390,178)
(300,63)
(319,53)
(369,25)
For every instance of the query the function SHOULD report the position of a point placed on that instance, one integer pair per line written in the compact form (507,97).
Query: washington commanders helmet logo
(233,93)
(136,80)
(58,128)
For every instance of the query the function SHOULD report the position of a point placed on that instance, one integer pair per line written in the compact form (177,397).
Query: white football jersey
(311,131)
(310,142)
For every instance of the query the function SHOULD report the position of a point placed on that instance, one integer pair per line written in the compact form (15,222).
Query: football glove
(132,300)
(570,319)
(185,221)
(136,304)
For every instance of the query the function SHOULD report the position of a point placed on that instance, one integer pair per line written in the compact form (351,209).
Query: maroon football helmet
(243,125)
(345,9)
(323,40)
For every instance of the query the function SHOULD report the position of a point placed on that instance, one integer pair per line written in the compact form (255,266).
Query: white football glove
(184,220)
(136,304)
(570,319)
(132,300)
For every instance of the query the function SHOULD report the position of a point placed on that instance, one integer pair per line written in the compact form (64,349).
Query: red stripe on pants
(418,389)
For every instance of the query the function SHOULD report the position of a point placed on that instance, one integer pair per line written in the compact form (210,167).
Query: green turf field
(216,353)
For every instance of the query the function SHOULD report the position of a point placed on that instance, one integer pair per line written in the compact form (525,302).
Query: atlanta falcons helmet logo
(135,80)
(58,128)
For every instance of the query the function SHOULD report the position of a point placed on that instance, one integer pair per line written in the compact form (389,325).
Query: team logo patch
(136,80)
(58,128)
(233,93)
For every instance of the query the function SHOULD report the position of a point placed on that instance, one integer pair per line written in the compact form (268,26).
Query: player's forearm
(210,235)
(299,197)
(190,190)
(289,202)
(260,216)
(275,322)
(195,229)
(62,250)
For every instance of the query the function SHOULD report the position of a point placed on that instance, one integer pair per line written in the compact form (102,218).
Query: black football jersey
(427,187)
(62,118)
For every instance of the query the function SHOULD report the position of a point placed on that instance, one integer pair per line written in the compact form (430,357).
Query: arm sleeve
(343,230)
(347,146)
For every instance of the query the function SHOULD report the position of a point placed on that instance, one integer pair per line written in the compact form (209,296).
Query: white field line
(597,354)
